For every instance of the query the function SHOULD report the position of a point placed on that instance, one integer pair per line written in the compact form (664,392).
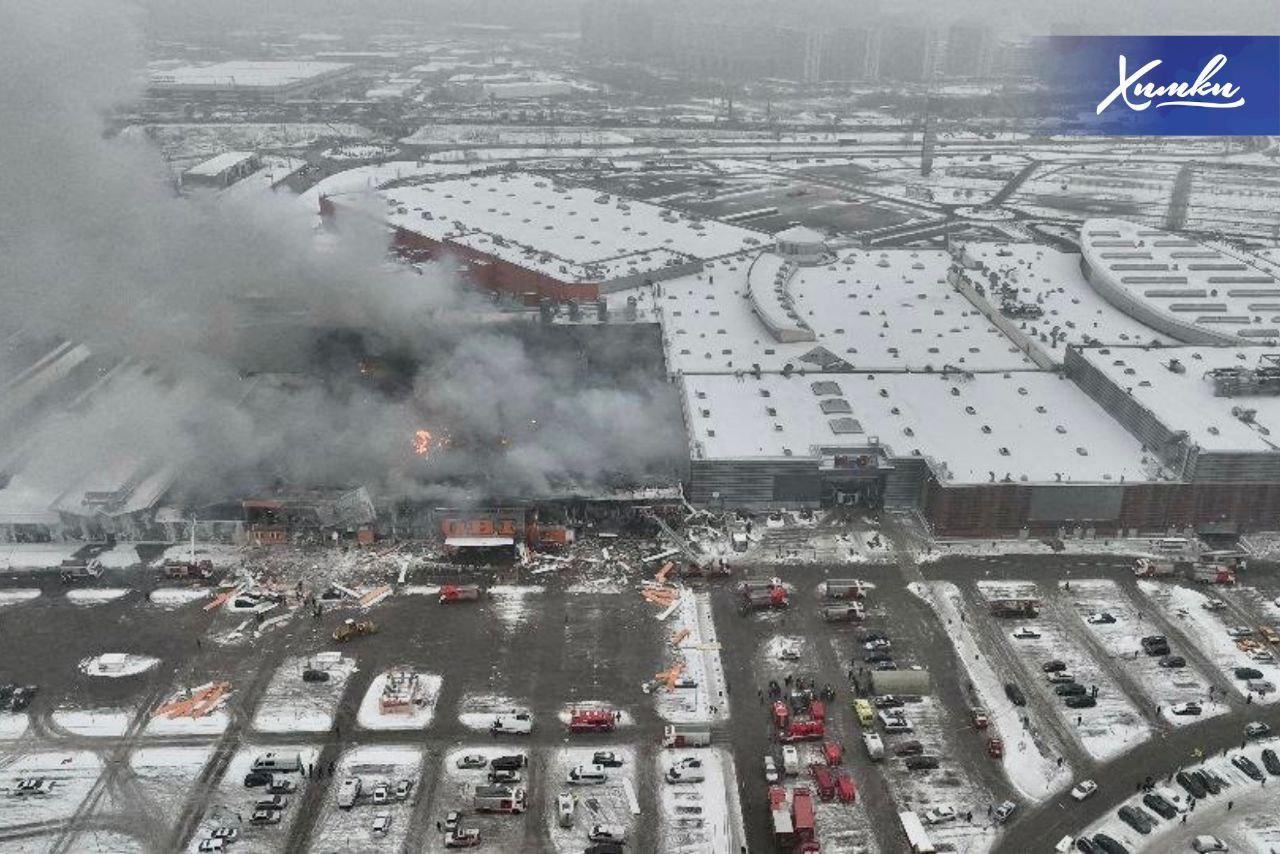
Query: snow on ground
(13,725)
(948,784)
(702,816)
(1033,773)
(176,597)
(608,803)
(420,590)
(214,723)
(455,787)
(13,597)
(73,774)
(939,549)
(291,705)
(1108,729)
(231,804)
(1262,603)
(477,711)
(705,701)
(417,716)
(120,556)
(342,830)
(220,554)
(166,775)
(1264,545)
(96,595)
(1252,804)
(114,665)
(35,555)
(93,722)
(1184,607)
(1123,639)
(510,603)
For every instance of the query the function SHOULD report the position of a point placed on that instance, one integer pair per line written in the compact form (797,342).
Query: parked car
(402,789)
(1210,780)
(1082,701)
(1155,645)
(1159,805)
(884,665)
(873,636)
(381,823)
(1136,818)
(230,834)
(1070,689)
(1061,677)
(770,770)
(1004,811)
(909,748)
(1247,765)
(1256,729)
(877,657)
(887,701)
(879,643)
(1270,761)
(211,844)
(462,837)
(281,785)
(472,760)
(311,674)
(923,762)
(518,760)
(1084,789)
(275,802)
(607,758)
(1192,784)
(1244,673)
(1053,666)
(607,833)
(497,776)
(586,775)
(1108,845)
(1204,844)
(1190,708)
(566,806)
(254,779)
(1238,632)
(1085,845)
(940,814)
(1100,618)
(381,793)
(265,817)
(1173,661)
(1025,633)
(1014,693)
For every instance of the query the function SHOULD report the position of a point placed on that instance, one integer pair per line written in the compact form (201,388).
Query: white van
(566,805)
(790,760)
(1177,799)
(587,775)
(516,723)
(278,763)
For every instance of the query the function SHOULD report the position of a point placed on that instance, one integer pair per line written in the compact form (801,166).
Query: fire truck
(759,599)
(592,720)
(802,731)
(459,593)
(845,588)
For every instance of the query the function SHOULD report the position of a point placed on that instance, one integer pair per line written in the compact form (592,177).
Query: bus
(917,840)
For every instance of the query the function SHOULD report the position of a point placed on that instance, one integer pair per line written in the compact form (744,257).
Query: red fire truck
(592,720)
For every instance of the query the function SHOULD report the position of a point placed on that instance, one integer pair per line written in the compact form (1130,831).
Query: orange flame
(422,442)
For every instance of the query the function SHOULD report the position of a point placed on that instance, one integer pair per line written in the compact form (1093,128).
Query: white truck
(686,735)
(498,799)
(874,745)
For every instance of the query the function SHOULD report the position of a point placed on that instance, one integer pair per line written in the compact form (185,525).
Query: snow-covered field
(340,830)
(705,701)
(608,803)
(1184,607)
(1123,638)
(1033,773)
(702,816)
(93,722)
(455,787)
(477,711)
(176,597)
(231,804)
(73,774)
(1108,729)
(291,705)
(13,725)
(35,555)
(96,595)
(939,549)
(166,774)
(418,716)
(15,596)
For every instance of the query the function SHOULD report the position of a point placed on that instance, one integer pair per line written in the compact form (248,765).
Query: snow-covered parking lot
(609,803)
(294,705)
(232,803)
(380,769)
(701,816)
(455,788)
(1165,687)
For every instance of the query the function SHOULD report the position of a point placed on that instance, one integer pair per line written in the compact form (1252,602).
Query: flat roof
(220,163)
(1186,401)
(570,233)
(244,74)
(1198,290)
(887,309)
(1023,425)
(1053,280)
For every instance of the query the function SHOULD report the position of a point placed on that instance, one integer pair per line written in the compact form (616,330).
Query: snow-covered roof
(218,164)
(1194,292)
(870,310)
(800,234)
(567,232)
(1185,400)
(245,74)
(1025,425)
(1052,280)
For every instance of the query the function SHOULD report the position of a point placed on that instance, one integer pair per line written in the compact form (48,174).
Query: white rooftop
(220,163)
(1052,279)
(1025,425)
(870,310)
(1186,400)
(1198,291)
(244,74)
(568,232)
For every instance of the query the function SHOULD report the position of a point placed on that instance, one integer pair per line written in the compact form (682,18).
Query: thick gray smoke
(98,248)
